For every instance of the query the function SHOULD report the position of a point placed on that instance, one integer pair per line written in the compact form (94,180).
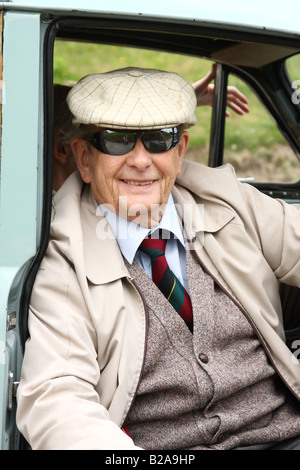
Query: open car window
(73,60)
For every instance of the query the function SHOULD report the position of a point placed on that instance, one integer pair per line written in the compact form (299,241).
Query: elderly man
(155,319)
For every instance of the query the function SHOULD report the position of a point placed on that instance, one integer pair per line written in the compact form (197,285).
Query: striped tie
(166,280)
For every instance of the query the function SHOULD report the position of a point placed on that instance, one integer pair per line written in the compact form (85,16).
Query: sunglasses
(120,142)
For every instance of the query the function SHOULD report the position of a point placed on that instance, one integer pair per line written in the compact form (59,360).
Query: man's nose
(139,156)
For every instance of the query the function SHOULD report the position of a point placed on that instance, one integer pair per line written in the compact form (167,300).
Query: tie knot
(155,245)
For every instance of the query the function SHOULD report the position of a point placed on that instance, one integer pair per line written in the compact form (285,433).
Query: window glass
(254,145)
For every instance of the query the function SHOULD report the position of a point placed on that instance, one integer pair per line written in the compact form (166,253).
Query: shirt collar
(130,235)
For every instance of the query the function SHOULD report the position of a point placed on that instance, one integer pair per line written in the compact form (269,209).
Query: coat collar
(104,261)
(81,232)
(209,189)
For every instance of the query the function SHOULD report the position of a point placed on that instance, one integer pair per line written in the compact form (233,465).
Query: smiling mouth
(138,183)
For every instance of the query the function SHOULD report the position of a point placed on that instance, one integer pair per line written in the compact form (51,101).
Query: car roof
(266,15)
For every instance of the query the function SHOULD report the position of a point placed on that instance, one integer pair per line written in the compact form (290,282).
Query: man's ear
(182,147)
(82,155)
(61,151)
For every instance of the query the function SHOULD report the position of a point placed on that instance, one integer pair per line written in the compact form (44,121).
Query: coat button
(203,358)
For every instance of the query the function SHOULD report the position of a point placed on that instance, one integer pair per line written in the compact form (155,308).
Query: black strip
(47,183)
(166,282)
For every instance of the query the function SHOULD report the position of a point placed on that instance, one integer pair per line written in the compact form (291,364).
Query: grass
(254,133)
(73,60)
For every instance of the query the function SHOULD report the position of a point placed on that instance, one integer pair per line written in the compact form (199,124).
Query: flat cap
(133,98)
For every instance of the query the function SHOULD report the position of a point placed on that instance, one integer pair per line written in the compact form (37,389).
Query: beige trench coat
(87,320)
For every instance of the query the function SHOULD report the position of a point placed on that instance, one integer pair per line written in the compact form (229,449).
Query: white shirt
(130,235)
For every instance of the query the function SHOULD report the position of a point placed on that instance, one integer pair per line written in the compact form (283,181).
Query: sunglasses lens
(117,143)
(158,141)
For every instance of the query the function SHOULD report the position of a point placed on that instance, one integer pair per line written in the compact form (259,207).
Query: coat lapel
(104,261)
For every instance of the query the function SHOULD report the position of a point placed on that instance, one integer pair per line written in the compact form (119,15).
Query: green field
(251,134)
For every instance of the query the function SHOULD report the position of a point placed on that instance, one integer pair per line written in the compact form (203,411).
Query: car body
(251,41)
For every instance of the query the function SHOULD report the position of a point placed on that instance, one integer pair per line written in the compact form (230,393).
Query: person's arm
(205,89)
(59,405)
(277,225)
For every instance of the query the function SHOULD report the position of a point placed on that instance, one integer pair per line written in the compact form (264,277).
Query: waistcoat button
(203,358)
(221,438)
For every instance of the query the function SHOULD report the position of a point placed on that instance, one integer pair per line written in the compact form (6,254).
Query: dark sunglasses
(120,142)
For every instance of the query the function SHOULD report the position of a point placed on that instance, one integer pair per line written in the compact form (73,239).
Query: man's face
(134,184)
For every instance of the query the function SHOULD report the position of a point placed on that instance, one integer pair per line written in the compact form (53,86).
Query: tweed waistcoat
(214,389)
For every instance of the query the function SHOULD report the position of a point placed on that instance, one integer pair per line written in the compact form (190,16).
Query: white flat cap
(133,98)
